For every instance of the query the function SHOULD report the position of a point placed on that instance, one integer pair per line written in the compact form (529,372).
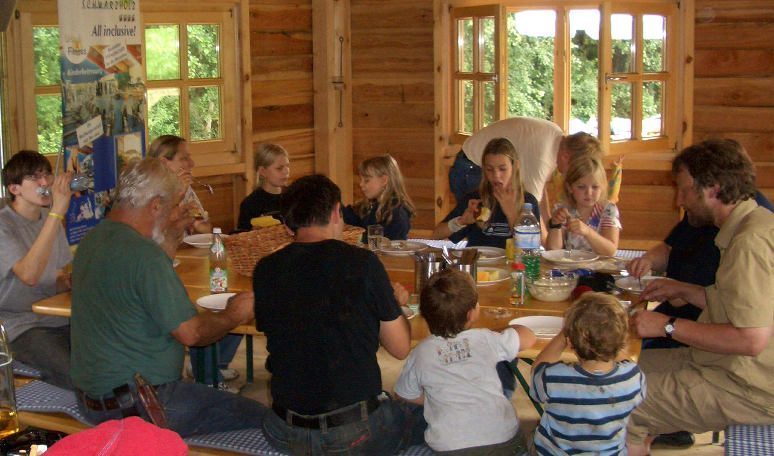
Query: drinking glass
(375,236)
(9,422)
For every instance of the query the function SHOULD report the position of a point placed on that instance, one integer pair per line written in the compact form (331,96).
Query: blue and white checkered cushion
(24,370)
(38,396)
(750,440)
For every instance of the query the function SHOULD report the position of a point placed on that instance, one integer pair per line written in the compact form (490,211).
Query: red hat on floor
(128,437)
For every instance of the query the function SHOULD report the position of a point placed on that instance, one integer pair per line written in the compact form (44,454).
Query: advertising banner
(103,100)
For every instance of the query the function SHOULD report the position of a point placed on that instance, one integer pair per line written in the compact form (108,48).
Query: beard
(159,230)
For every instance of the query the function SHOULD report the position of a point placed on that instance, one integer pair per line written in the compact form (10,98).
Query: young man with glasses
(35,253)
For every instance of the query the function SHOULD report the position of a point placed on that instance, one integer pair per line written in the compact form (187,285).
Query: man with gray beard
(131,314)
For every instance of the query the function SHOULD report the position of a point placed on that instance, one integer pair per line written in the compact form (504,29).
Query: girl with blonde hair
(272,169)
(385,200)
(487,217)
(586,220)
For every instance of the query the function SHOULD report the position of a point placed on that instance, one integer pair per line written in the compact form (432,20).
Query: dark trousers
(47,350)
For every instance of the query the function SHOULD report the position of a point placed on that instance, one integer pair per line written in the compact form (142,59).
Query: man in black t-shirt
(325,307)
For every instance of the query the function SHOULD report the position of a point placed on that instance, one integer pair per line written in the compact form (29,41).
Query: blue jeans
(227,348)
(194,408)
(391,427)
(464,176)
(47,350)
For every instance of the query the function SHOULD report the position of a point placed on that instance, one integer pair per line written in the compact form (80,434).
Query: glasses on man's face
(38,176)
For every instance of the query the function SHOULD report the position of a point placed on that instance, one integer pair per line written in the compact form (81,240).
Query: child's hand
(576,226)
(560,216)
(471,212)
(400,293)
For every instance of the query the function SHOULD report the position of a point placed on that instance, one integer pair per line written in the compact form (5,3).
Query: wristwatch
(669,328)
(552,225)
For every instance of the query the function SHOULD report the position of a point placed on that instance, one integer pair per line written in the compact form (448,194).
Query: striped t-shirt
(585,412)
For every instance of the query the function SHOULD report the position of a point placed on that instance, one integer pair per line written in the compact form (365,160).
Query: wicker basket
(245,249)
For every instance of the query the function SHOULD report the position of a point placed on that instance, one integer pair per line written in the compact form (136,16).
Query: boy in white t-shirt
(452,372)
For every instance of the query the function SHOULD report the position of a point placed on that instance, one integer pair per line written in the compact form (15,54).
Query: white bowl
(552,289)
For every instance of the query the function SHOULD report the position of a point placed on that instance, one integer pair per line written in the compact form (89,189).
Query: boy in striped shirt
(587,404)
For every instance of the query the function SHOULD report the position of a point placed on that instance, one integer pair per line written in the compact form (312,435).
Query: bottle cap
(518,266)
(528,206)
(217,231)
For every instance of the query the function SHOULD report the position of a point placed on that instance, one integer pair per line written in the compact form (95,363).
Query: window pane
(162,47)
(653,46)
(623,46)
(163,112)
(465,102)
(652,109)
(45,48)
(204,113)
(490,107)
(584,71)
(465,45)
(486,44)
(203,51)
(48,111)
(621,111)
(531,63)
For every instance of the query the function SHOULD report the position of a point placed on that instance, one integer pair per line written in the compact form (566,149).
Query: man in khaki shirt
(724,376)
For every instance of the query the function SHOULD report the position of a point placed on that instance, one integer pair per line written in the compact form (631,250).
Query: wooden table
(496,307)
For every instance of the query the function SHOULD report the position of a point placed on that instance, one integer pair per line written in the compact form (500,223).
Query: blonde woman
(486,217)
(385,201)
(272,169)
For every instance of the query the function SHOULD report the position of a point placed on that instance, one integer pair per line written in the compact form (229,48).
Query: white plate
(214,301)
(633,285)
(544,327)
(175,263)
(563,256)
(201,241)
(501,276)
(402,247)
(485,254)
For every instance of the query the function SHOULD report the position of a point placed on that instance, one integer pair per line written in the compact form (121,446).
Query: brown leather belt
(111,402)
(346,415)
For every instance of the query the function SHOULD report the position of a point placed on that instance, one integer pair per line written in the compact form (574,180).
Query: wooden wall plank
(744,35)
(396,14)
(393,115)
(269,118)
(734,11)
(759,145)
(281,18)
(410,52)
(718,119)
(645,224)
(749,92)
(282,92)
(393,91)
(280,43)
(734,62)
(283,67)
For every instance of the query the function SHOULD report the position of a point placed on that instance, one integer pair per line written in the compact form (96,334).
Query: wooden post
(332,93)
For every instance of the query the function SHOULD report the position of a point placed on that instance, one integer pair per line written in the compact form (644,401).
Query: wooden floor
(390,371)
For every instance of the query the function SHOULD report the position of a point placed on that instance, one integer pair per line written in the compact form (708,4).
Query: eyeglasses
(38,176)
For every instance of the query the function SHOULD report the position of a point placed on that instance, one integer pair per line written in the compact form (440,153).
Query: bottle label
(218,280)
(217,248)
(528,238)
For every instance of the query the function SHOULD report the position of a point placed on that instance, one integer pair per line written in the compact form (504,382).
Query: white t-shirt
(536,141)
(464,401)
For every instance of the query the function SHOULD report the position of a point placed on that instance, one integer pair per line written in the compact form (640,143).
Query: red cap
(518,266)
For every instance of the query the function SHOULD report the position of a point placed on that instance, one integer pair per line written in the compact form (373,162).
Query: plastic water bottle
(218,264)
(527,234)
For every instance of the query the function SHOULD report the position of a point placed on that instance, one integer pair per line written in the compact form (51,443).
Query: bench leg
(249,357)
(523,382)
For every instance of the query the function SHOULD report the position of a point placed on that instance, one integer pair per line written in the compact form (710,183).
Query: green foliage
(45,48)
(584,95)
(204,112)
(164,116)
(162,52)
(48,109)
(203,51)
(530,76)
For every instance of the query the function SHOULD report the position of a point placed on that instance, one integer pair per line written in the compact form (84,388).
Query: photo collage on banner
(103,100)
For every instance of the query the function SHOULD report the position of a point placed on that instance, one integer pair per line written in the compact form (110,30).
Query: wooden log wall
(392,93)
(734,78)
